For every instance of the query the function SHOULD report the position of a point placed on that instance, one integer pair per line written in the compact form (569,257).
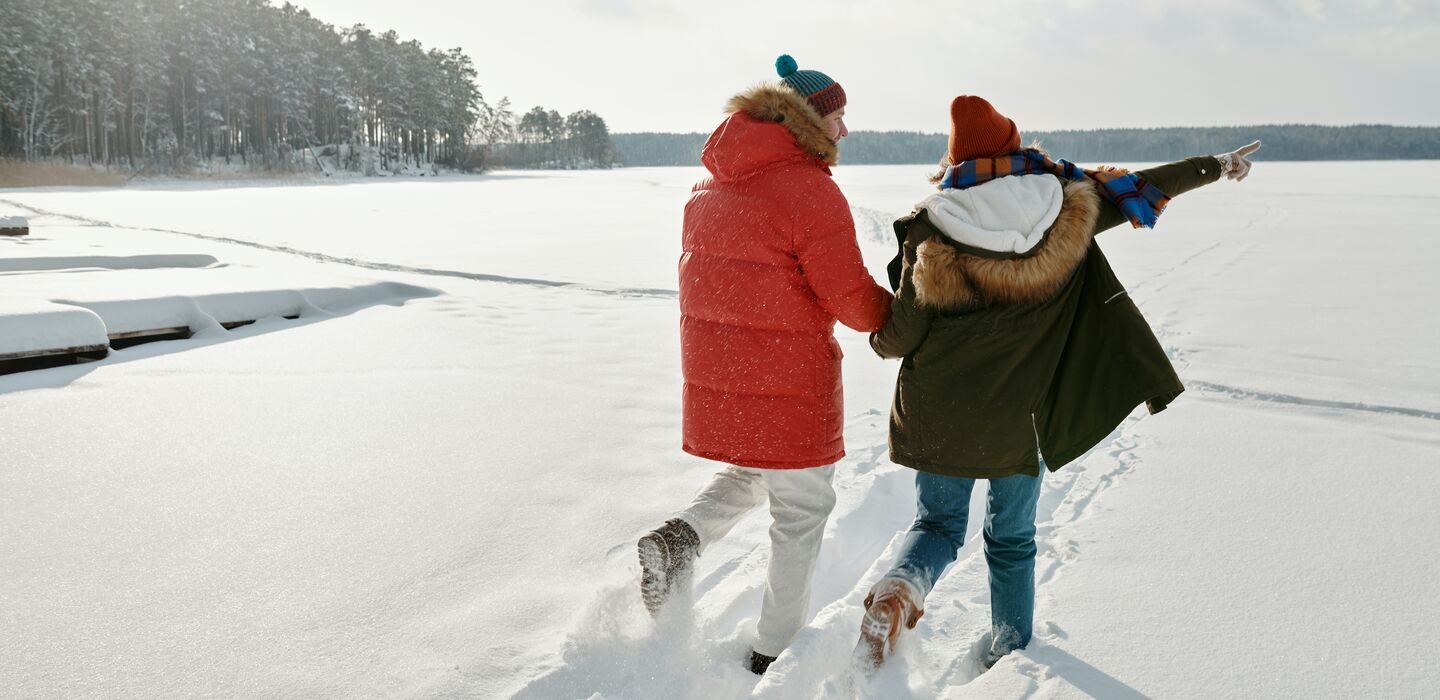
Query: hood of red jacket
(743,146)
(769,125)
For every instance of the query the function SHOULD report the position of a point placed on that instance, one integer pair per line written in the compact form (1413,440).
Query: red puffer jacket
(770,263)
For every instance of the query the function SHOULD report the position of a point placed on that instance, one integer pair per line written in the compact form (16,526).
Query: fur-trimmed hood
(949,273)
(768,124)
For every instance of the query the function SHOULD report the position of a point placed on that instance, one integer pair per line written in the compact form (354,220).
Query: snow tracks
(695,648)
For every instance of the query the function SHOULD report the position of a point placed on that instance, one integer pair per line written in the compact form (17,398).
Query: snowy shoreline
(298,178)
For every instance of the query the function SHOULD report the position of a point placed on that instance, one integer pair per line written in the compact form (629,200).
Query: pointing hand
(1235,165)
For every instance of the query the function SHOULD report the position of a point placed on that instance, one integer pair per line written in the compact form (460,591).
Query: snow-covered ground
(432,486)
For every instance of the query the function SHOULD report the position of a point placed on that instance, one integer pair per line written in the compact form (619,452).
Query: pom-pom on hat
(824,94)
(978,131)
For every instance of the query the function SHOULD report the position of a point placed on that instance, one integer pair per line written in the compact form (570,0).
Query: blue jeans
(942,511)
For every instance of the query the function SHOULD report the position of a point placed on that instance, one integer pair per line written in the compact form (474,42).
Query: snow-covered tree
(169,83)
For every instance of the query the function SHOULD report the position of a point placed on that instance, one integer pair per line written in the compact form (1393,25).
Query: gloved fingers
(1248,148)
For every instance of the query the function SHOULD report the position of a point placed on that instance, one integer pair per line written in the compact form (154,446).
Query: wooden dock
(13,362)
(14,226)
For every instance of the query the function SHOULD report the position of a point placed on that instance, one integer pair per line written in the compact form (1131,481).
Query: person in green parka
(1020,351)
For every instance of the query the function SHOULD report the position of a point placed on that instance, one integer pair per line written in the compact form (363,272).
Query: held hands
(1234,164)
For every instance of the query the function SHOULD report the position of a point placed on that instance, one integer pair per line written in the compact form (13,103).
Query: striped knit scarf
(1141,202)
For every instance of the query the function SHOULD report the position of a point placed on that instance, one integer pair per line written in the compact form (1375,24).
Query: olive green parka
(1011,356)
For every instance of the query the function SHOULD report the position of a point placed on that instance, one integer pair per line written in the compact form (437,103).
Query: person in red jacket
(770,263)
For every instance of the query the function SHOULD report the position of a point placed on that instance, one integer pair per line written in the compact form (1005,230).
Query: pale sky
(653,65)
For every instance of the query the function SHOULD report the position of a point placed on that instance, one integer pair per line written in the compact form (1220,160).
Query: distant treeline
(167,85)
(1282,142)
(544,139)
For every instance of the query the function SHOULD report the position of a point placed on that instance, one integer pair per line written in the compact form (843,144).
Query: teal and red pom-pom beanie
(824,94)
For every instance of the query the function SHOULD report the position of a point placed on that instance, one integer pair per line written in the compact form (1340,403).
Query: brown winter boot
(667,554)
(890,605)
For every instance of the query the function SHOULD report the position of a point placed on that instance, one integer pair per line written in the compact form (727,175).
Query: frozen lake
(438,494)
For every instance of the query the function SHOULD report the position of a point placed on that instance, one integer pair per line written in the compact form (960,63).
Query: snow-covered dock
(32,329)
(62,303)
(14,226)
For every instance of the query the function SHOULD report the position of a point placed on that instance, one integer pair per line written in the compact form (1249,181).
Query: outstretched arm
(1175,179)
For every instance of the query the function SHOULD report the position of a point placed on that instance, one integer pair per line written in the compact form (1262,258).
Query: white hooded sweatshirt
(1007,215)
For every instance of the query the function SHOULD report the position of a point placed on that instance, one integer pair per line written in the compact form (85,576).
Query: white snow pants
(800,503)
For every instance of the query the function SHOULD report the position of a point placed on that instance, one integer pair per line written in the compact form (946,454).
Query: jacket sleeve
(909,323)
(830,261)
(1174,179)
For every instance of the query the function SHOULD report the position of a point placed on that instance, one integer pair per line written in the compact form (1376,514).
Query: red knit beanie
(978,131)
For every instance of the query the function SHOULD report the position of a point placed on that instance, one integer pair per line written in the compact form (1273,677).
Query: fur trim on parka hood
(948,274)
(769,102)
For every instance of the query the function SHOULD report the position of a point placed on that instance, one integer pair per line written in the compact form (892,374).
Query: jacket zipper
(1036,429)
